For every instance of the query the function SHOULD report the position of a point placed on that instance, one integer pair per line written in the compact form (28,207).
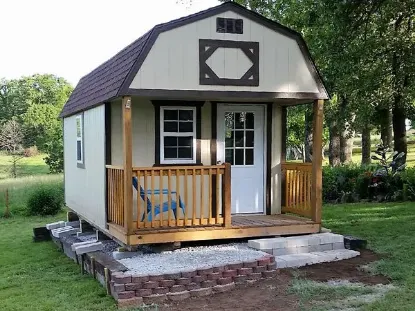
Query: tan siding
(85,188)
(173,62)
(276,161)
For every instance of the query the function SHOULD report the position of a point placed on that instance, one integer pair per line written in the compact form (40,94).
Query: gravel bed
(191,258)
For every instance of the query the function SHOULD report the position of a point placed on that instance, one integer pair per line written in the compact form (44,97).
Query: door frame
(267,143)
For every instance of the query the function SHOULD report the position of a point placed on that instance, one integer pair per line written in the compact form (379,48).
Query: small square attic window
(229,25)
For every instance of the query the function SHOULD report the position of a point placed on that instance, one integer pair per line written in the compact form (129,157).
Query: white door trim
(220,144)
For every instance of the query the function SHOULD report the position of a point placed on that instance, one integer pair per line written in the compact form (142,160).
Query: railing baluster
(186,198)
(169,195)
(161,198)
(217,194)
(153,215)
(177,216)
(194,197)
(210,196)
(138,199)
(146,224)
(202,196)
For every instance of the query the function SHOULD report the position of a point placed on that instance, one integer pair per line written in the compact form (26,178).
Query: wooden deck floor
(247,226)
(250,221)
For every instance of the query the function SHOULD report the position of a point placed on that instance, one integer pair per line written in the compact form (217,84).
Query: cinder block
(338,245)
(314,248)
(326,247)
(122,255)
(303,249)
(279,251)
(55,225)
(337,238)
(313,240)
(75,224)
(297,241)
(64,232)
(88,248)
(75,245)
(268,243)
(281,263)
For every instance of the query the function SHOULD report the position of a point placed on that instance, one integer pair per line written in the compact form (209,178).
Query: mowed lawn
(26,166)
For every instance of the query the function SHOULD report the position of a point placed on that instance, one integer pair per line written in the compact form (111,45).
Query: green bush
(45,200)
(346,180)
(408,178)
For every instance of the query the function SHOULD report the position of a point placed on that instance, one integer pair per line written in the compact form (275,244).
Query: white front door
(240,141)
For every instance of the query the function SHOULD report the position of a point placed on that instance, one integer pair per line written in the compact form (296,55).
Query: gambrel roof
(113,78)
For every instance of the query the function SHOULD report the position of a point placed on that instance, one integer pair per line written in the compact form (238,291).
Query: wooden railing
(297,188)
(115,195)
(172,196)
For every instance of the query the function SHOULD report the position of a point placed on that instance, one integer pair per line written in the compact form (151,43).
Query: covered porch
(189,202)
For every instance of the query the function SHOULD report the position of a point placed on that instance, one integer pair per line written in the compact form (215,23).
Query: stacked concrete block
(133,290)
(297,251)
(84,248)
(64,231)
(55,225)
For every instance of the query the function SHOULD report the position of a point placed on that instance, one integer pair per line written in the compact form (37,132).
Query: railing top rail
(297,166)
(114,167)
(179,167)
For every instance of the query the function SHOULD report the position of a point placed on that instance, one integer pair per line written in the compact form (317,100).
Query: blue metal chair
(164,205)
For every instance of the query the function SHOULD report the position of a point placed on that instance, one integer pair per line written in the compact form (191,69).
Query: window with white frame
(79,140)
(177,135)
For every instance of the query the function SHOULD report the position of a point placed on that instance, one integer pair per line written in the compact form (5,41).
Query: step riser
(304,249)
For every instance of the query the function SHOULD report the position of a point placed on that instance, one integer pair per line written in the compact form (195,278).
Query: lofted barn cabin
(181,135)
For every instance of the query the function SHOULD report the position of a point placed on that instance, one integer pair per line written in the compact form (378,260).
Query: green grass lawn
(27,166)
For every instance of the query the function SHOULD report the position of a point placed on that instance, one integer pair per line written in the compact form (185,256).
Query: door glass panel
(229,156)
(249,138)
(249,156)
(239,157)
(239,138)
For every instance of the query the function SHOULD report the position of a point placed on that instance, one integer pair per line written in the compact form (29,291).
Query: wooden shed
(181,135)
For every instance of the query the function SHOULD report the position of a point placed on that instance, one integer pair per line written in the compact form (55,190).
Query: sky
(71,38)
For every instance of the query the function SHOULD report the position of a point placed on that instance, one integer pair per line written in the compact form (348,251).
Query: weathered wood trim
(208,77)
(127,163)
(317,180)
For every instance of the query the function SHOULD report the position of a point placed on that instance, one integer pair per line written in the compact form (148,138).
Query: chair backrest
(135,184)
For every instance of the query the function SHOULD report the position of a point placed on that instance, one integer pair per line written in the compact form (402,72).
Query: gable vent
(229,25)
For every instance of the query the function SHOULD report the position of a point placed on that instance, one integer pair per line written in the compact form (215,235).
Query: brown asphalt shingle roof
(112,78)
(104,82)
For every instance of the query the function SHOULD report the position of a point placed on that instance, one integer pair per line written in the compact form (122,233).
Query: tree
(11,138)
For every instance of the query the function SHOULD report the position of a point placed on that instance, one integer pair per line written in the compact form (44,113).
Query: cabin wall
(173,61)
(85,187)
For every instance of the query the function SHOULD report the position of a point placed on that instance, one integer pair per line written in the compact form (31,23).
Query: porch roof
(112,78)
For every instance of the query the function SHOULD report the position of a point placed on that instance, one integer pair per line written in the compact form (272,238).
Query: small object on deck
(55,225)
(158,208)
(354,243)
(41,234)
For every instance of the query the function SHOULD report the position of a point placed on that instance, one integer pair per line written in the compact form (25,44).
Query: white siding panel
(173,62)
(85,187)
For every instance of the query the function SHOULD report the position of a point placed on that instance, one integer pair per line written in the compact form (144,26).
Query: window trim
(225,20)
(177,134)
(176,103)
(80,163)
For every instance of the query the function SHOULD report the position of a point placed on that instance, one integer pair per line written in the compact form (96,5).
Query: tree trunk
(399,128)
(366,142)
(334,144)
(386,126)
(346,146)
(308,135)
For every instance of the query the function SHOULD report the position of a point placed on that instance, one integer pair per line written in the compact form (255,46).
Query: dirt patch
(346,270)
(272,295)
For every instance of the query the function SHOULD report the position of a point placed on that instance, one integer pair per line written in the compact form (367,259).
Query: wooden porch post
(226,196)
(128,164)
(316,179)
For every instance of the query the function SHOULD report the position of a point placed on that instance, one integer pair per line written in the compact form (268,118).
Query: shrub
(408,178)
(31,152)
(45,200)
